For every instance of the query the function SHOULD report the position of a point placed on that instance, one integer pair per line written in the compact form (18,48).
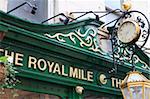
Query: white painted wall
(67,6)
(3,5)
(49,8)
(24,11)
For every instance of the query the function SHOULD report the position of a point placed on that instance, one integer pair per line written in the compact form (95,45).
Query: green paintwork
(29,39)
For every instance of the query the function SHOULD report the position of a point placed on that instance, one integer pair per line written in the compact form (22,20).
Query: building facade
(62,61)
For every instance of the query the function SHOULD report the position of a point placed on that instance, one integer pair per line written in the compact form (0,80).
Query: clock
(128,32)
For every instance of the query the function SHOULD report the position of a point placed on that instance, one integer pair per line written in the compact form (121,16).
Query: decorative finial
(79,89)
(126,5)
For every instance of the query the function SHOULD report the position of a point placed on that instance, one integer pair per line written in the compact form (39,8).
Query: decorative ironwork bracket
(125,52)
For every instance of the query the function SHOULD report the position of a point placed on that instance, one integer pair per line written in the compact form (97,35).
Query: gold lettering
(79,73)
(1,50)
(63,71)
(89,76)
(113,82)
(73,72)
(50,66)
(53,67)
(44,66)
(118,83)
(82,75)
(18,59)
(32,62)
(57,69)
(11,54)
(102,79)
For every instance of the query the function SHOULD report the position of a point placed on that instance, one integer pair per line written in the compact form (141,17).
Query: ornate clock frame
(125,52)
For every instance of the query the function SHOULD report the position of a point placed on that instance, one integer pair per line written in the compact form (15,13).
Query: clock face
(128,32)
